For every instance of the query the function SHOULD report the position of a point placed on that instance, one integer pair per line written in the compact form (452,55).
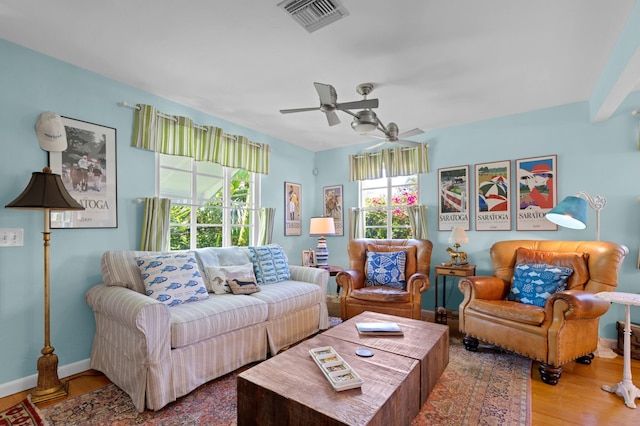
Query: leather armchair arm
(418,283)
(581,304)
(350,279)
(488,288)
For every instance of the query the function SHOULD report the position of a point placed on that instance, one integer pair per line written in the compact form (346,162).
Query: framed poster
(292,200)
(332,202)
(88,170)
(493,199)
(453,198)
(536,192)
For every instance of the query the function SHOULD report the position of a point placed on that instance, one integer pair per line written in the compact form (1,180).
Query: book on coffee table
(379,329)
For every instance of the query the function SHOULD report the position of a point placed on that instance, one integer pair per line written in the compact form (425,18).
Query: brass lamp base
(49,386)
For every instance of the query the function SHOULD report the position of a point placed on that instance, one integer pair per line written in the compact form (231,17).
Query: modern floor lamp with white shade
(46,192)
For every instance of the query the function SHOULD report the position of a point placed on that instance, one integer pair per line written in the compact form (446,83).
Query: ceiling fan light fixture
(365,121)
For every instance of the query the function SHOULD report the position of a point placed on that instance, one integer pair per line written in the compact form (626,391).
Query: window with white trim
(211,205)
(383,205)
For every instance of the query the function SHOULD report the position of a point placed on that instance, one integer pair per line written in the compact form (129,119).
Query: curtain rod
(175,120)
(426,145)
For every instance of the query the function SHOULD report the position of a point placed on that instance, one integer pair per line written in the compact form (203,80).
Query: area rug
(23,413)
(486,387)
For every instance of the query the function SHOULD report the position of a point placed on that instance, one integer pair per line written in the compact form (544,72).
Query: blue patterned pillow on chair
(386,268)
(534,283)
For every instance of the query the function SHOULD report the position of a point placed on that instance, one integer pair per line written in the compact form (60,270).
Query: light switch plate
(11,237)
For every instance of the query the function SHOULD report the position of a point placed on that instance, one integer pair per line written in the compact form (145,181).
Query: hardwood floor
(577,399)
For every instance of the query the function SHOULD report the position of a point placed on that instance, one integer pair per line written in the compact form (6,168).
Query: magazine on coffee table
(336,370)
(379,329)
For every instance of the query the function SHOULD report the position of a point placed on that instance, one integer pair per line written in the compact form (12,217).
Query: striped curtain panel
(403,161)
(176,135)
(267,215)
(418,221)
(239,152)
(155,224)
(365,166)
(355,223)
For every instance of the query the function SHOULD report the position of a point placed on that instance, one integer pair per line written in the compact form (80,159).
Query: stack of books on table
(379,329)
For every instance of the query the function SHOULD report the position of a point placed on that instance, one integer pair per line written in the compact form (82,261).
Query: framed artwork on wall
(88,170)
(453,198)
(332,202)
(536,192)
(493,196)
(292,202)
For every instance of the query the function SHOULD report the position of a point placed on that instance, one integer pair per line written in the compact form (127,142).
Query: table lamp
(457,237)
(319,227)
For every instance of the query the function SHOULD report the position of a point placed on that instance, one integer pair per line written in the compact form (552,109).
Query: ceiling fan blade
(332,118)
(363,104)
(410,133)
(376,145)
(289,111)
(327,93)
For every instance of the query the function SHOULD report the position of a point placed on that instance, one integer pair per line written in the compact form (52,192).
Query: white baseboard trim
(29,382)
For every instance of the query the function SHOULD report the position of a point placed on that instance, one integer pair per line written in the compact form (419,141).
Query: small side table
(333,271)
(626,389)
(460,271)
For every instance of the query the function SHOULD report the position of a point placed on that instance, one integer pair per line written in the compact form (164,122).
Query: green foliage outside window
(376,220)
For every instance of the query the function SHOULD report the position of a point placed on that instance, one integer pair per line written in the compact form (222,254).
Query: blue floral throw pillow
(172,278)
(534,283)
(386,268)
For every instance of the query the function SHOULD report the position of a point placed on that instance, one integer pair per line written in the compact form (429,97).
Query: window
(211,205)
(382,219)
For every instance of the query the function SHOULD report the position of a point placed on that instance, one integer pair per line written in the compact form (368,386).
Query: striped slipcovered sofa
(157,353)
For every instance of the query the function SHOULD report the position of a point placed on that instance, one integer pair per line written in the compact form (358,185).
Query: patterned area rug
(486,387)
(23,413)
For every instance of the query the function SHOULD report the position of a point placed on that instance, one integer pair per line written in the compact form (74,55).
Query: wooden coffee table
(426,342)
(290,388)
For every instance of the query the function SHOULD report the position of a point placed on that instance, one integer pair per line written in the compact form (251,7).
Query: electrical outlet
(11,237)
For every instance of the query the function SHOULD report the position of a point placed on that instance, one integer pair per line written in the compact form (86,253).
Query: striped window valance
(392,162)
(176,135)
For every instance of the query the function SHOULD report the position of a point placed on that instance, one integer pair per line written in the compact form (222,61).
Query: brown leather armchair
(566,328)
(357,297)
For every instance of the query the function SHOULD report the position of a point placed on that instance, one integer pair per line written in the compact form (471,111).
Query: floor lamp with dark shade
(46,192)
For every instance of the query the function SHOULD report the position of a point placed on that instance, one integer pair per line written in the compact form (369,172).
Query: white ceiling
(434,63)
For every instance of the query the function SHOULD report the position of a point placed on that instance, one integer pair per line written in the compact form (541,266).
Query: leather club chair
(566,328)
(357,297)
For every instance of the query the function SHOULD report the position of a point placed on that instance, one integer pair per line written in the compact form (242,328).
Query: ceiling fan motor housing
(365,121)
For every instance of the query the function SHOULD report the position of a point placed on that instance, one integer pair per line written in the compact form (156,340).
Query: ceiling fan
(329,104)
(391,135)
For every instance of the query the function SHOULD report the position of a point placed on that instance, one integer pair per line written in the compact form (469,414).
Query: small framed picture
(308,258)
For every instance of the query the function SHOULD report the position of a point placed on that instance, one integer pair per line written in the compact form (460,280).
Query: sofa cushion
(219,314)
(270,263)
(240,278)
(172,278)
(381,294)
(534,283)
(386,268)
(508,310)
(289,296)
(578,262)
(119,268)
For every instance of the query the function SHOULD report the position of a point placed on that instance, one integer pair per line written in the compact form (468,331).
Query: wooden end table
(333,271)
(626,389)
(460,271)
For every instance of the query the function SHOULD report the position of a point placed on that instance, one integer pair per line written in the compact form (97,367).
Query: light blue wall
(599,158)
(31,83)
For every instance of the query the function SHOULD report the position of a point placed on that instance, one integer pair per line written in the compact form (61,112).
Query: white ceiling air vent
(314,14)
